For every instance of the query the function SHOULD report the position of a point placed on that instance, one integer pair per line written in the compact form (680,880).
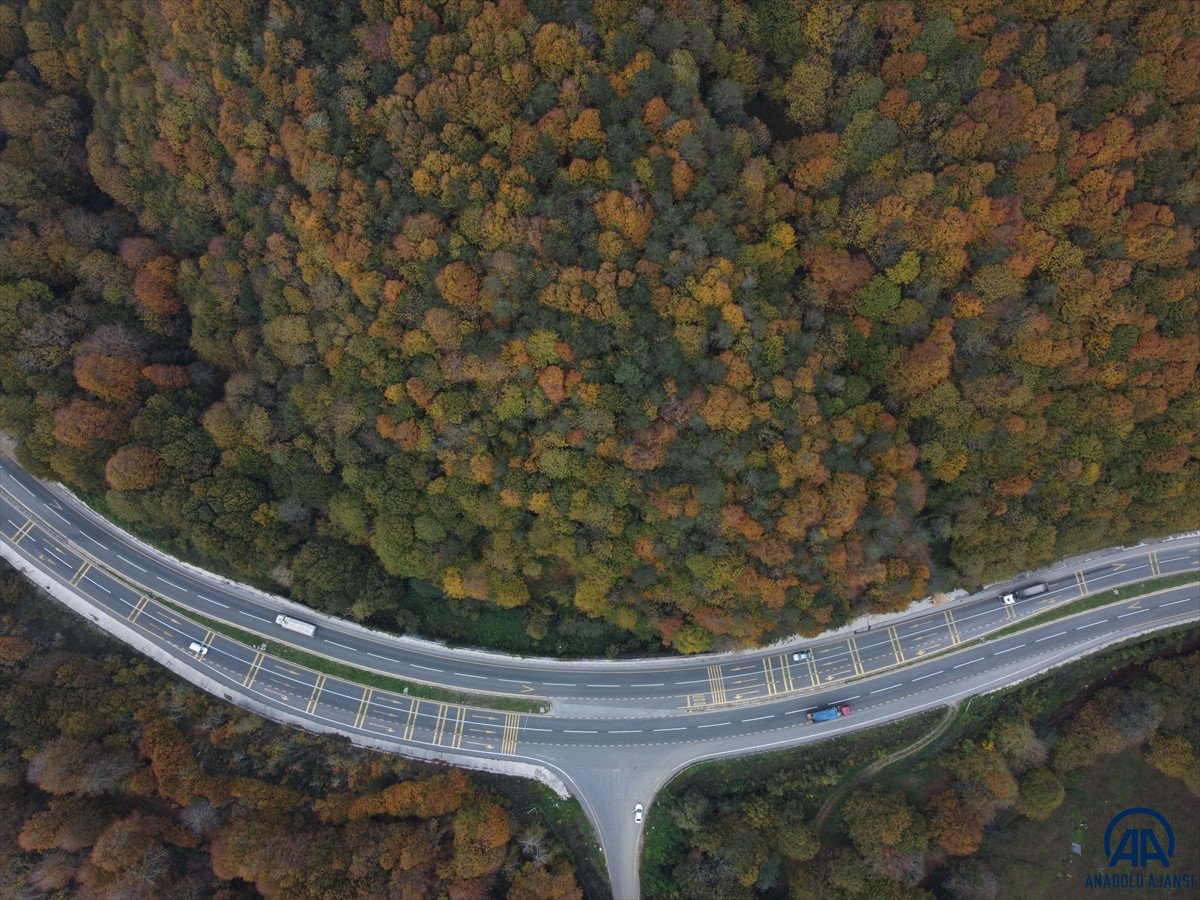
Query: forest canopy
(693,323)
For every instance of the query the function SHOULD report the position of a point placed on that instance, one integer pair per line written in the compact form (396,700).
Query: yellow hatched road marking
(439,724)
(855,659)
(812,670)
(410,724)
(22,531)
(1081,580)
(952,627)
(716,682)
(78,576)
(896,648)
(459,722)
(363,705)
(254,668)
(1010,611)
(318,686)
(138,607)
(785,667)
(1154,569)
(512,726)
(769,677)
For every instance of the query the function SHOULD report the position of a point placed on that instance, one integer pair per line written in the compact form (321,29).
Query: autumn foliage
(583,328)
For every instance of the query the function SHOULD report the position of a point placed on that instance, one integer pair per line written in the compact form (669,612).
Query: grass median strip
(355,675)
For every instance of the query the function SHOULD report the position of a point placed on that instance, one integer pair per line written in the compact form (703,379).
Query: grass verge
(355,675)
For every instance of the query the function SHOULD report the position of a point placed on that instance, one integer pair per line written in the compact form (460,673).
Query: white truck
(297,625)
(1025,593)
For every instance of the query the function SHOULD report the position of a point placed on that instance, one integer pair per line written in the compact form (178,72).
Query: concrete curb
(127,635)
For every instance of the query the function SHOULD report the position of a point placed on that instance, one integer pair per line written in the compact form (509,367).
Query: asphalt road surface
(616,731)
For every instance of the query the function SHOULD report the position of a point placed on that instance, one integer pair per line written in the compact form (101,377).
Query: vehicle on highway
(297,625)
(1025,593)
(829,713)
(637,813)
(800,655)
(198,649)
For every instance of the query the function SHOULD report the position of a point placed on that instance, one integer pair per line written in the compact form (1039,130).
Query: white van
(198,649)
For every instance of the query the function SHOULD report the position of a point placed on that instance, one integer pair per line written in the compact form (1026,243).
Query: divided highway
(616,731)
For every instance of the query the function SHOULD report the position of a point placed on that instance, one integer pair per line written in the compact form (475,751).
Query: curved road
(616,731)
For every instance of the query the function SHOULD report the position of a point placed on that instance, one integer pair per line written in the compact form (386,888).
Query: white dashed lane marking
(131,562)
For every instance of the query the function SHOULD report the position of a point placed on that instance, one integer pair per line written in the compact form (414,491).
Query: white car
(1009,599)
(198,649)
(800,656)
(637,813)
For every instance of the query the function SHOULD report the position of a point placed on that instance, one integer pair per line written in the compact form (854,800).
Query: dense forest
(924,833)
(117,780)
(607,324)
